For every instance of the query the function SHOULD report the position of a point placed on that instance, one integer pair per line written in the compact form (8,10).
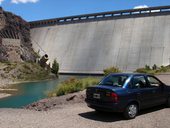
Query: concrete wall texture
(90,47)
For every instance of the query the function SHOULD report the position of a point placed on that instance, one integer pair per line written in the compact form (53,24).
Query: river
(30,92)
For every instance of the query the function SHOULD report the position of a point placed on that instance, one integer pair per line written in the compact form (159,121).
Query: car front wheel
(131,111)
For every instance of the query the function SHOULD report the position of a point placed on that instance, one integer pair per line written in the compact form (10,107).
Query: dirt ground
(80,116)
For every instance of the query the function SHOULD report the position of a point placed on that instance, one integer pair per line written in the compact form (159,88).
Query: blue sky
(32,10)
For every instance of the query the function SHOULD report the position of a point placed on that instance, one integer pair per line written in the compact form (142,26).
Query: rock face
(15,43)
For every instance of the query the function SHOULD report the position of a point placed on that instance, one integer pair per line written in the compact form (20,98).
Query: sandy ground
(3,95)
(80,116)
(4,86)
(6,82)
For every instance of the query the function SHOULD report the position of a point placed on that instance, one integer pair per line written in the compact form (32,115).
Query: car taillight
(114,97)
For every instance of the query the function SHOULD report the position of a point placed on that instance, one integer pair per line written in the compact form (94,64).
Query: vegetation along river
(30,92)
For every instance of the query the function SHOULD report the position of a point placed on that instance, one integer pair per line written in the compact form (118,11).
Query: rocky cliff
(15,43)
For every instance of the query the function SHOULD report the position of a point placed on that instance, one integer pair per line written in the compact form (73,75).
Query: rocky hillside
(15,36)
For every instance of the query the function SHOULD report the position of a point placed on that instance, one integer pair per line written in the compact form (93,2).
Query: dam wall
(127,39)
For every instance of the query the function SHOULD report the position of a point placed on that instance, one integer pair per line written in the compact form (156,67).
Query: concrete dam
(128,39)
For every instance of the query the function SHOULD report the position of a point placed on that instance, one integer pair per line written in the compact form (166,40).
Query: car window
(153,81)
(139,82)
(114,80)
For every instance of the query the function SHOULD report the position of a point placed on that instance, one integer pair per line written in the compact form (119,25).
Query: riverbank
(3,95)
(5,88)
(20,72)
(14,73)
(5,85)
(55,102)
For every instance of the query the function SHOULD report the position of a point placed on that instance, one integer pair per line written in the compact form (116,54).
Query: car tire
(168,102)
(131,111)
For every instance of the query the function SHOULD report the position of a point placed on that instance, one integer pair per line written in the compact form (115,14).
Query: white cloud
(1,1)
(24,1)
(141,6)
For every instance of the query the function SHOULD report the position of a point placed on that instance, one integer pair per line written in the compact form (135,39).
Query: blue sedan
(127,93)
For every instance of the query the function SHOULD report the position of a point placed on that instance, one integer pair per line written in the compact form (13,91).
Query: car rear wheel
(131,111)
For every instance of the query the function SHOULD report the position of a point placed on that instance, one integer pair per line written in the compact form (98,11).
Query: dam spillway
(127,39)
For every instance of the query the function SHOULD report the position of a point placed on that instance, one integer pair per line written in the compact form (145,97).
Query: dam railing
(161,10)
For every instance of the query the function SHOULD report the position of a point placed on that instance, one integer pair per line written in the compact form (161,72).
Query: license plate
(96,96)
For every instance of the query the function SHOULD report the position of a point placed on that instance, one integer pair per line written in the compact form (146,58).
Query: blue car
(127,93)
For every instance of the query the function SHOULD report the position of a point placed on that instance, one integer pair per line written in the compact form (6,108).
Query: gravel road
(80,116)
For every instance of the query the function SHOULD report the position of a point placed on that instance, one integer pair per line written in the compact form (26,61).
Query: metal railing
(101,16)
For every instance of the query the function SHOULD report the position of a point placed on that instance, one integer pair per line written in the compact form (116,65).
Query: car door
(143,91)
(157,87)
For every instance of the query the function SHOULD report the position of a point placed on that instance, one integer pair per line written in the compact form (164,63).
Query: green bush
(147,67)
(144,70)
(155,69)
(163,69)
(55,67)
(110,70)
(73,85)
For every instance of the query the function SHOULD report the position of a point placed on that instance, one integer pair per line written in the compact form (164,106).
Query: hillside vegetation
(22,72)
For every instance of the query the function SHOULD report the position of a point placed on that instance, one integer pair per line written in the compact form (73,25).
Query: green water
(29,93)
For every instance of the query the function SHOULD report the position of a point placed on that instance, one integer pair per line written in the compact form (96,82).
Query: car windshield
(114,80)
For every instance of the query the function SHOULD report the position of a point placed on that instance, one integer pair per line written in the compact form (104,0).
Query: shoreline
(7,86)
(4,95)
(10,83)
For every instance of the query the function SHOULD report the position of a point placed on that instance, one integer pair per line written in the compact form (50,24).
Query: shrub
(141,70)
(73,85)
(164,69)
(110,70)
(55,67)
(147,67)
(155,69)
